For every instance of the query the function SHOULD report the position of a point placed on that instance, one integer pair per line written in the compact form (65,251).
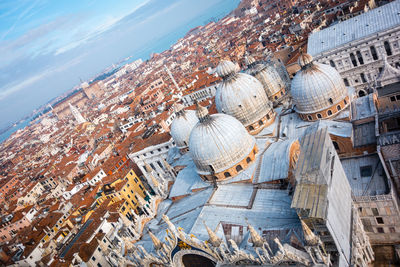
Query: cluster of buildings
(270,137)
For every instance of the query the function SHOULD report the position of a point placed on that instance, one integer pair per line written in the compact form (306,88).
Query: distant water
(10,131)
(218,11)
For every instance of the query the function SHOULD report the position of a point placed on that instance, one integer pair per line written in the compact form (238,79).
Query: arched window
(332,63)
(227,174)
(309,117)
(330,101)
(329,112)
(373,52)
(346,82)
(319,116)
(239,168)
(276,97)
(345,102)
(388,49)
(260,122)
(360,58)
(268,117)
(251,128)
(353,59)
(248,160)
(361,93)
(339,107)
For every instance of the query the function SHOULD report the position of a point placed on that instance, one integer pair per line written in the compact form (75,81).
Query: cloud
(15,87)
(97,30)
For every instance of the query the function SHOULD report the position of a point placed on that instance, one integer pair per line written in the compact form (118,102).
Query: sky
(46,46)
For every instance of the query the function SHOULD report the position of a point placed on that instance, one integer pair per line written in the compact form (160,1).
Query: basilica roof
(361,26)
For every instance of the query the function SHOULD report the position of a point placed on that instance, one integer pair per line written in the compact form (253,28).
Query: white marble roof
(364,25)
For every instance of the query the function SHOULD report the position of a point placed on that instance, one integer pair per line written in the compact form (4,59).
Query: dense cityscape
(268,137)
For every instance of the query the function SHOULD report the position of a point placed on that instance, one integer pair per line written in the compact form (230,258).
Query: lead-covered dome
(317,90)
(241,95)
(182,125)
(219,142)
(269,75)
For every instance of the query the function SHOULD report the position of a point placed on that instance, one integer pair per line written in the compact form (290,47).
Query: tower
(172,78)
(77,115)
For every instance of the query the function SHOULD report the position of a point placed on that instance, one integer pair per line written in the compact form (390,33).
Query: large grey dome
(181,127)
(218,143)
(316,87)
(241,95)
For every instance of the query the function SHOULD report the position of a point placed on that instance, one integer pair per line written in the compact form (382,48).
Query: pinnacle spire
(157,243)
(308,234)
(214,239)
(256,239)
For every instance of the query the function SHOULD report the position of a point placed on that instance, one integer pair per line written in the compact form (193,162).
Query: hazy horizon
(48,46)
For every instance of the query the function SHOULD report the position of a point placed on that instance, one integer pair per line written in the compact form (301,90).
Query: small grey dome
(316,87)
(243,97)
(218,143)
(181,127)
(271,74)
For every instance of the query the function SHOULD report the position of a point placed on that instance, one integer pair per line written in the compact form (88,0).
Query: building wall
(364,62)
(154,157)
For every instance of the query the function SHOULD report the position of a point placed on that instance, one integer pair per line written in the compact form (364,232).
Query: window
(260,122)
(329,112)
(363,78)
(366,171)
(248,160)
(379,220)
(330,101)
(375,211)
(345,102)
(239,168)
(339,107)
(360,58)
(136,180)
(393,98)
(373,52)
(309,117)
(336,145)
(227,174)
(99,265)
(380,230)
(268,117)
(141,187)
(93,258)
(346,82)
(319,116)
(251,128)
(392,229)
(276,97)
(332,63)
(388,49)
(353,60)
